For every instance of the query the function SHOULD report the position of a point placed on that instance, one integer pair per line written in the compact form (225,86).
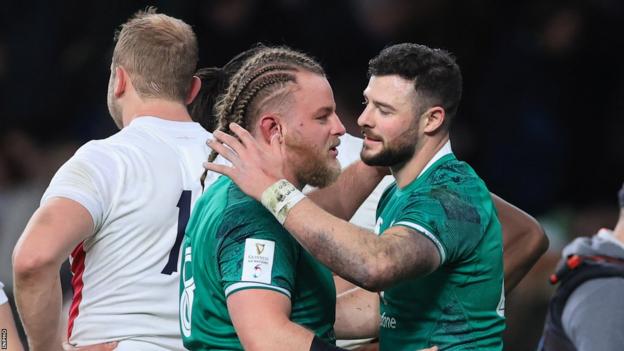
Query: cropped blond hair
(159,53)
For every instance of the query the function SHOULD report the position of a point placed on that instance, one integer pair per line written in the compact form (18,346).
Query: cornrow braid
(263,74)
(266,60)
(240,108)
(230,98)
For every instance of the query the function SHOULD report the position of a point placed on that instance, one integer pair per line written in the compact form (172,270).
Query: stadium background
(541,118)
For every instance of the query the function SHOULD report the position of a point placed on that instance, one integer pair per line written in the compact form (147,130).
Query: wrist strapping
(280,198)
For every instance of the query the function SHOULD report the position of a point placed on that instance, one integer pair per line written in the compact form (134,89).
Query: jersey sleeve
(258,256)
(3,298)
(87,178)
(444,217)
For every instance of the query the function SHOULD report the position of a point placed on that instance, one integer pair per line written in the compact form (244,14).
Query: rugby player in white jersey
(119,206)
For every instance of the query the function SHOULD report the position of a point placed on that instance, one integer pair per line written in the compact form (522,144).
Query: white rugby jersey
(139,186)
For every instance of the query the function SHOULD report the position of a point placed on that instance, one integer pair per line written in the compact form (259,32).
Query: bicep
(262,321)
(407,252)
(252,308)
(54,230)
(514,222)
(524,241)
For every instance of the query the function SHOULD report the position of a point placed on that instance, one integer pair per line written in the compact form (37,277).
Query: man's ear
(121,79)
(270,127)
(195,86)
(433,119)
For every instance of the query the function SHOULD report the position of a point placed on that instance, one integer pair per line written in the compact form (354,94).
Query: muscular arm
(363,258)
(261,319)
(357,314)
(370,261)
(346,194)
(52,232)
(524,241)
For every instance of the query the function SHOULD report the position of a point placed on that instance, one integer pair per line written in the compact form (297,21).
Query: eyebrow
(381,104)
(324,110)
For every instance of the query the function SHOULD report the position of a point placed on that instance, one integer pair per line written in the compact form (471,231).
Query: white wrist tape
(280,197)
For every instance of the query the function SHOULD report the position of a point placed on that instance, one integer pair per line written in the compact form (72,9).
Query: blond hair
(159,53)
(259,81)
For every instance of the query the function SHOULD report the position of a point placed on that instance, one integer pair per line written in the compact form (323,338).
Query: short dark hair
(435,73)
(621,197)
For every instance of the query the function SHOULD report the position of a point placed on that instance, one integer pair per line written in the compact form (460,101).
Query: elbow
(374,275)
(540,240)
(30,264)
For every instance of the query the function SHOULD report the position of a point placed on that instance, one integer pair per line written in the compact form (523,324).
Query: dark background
(540,120)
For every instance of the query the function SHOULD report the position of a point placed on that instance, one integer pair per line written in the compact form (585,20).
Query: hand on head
(254,167)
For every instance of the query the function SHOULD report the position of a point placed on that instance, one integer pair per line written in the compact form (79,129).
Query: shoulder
(349,149)
(245,215)
(450,173)
(593,311)
(603,294)
(457,188)
(387,192)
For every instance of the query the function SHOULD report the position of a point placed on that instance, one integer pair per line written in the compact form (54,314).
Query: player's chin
(369,154)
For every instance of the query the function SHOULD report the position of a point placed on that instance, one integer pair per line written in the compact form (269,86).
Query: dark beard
(392,156)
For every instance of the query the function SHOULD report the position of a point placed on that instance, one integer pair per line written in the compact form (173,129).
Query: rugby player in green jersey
(245,282)
(436,257)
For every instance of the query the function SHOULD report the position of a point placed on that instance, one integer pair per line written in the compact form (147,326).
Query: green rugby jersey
(232,243)
(460,306)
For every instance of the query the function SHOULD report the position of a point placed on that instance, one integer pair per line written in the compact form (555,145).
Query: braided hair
(263,76)
(214,82)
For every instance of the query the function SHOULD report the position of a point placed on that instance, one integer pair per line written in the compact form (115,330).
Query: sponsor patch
(258,260)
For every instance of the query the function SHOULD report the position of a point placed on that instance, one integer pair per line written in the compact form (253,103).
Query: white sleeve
(87,178)
(366,215)
(3,297)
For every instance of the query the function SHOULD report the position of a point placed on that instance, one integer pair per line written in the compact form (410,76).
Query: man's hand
(109,346)
(254,166)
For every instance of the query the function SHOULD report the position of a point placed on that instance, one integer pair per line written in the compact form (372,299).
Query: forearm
(351,252)
(7,323)
(283,336)
(357,314)
(39,299)
(524,241)
(348,192)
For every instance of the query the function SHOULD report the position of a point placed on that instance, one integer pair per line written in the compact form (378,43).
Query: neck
(164,109)
(407,172)
(290,176)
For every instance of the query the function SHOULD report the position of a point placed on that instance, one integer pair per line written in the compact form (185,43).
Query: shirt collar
(445,150)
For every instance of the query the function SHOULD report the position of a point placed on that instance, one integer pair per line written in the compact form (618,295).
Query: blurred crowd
(539,121)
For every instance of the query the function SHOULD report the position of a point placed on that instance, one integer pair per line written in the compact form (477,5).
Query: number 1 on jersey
(184,204)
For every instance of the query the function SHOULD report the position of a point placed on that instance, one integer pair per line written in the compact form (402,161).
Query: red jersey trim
(77,269)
